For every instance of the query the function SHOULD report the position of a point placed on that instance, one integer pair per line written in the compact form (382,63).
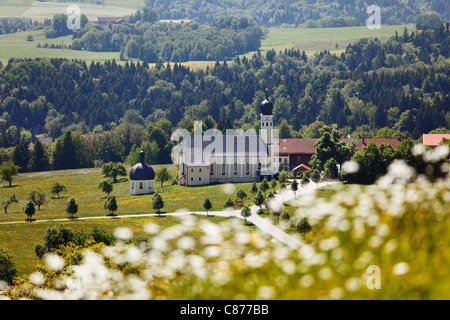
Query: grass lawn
(20,239)
(15,45)
(82,185)
(14,7)
(318,39)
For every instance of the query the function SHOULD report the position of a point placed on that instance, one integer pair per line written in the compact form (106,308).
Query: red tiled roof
(302,166)
(306,146)
(433,140)
(297,146)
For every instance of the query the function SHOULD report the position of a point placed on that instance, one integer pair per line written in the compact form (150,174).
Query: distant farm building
(295,152)
(105,20)
(176,21)
(433,140)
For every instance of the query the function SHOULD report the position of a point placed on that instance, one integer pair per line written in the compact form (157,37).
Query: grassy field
(318,39)
(82,185)
(14,7)
(310,40)
(41,10)
(15,45)
(20,239)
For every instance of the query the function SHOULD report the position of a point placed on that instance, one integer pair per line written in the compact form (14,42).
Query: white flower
(400,268)
(350,167)
(306,281)
(151,228)
(53,261)
(186,243)
(228,188)
(123,233)
(37,278)
(266,292)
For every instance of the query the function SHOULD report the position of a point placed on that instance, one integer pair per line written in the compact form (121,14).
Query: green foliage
(294,186)
(329,147)
(254,188)
(106,186)
(163,175)
(113,170)
(8,270)
(207,205)
(430,20)
(153,41)
(283,177)
(56,238)
(38,197)
(246,212)
(373,162)
(158,202)
(259,199)
(303,225)
(29,210)
(8,170)
(264,186)
(241,194)
(330,169)
(72,207)
(6,203)
(57,188)
(269,13)
(229,204)
(111,205)
(315,176)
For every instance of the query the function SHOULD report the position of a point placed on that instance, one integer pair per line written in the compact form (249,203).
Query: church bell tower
(270,138)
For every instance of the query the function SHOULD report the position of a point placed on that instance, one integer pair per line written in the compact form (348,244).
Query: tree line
(394,89)
(142,37)
(270,13)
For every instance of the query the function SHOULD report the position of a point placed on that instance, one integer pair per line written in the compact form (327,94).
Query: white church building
(231,158)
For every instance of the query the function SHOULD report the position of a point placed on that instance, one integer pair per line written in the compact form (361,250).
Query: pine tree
(21,156)
(39,159)
(158,203)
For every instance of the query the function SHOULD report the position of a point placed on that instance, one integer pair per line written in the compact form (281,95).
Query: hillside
(293,12)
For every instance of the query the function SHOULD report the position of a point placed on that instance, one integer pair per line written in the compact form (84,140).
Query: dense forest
(114,110)
(270,13)
(142,37)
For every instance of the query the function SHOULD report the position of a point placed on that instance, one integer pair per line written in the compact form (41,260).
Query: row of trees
(276,13)
(408,90)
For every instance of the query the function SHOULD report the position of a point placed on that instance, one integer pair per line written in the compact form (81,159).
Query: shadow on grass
(60,197)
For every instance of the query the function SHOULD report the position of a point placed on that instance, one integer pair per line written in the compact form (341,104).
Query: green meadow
(309,39)
(20,238)
(313,40)
(82,185)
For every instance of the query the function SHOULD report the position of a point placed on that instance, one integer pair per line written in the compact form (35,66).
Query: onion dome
(142,171)
(266,107)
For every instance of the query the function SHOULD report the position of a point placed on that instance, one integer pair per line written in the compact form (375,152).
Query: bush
(7,268)
(303,226)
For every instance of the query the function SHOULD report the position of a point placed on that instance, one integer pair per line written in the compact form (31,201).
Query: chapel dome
(142,171)
(266,107)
